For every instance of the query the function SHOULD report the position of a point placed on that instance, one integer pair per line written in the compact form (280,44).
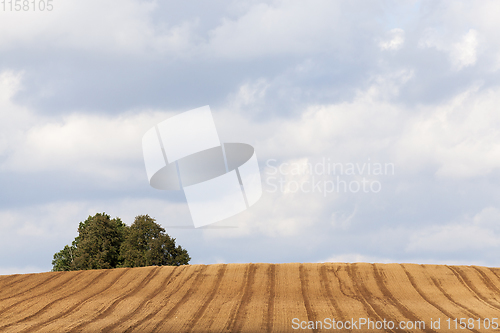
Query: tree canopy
(147,244)
(103,242)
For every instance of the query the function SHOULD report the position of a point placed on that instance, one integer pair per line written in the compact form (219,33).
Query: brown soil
(251,298)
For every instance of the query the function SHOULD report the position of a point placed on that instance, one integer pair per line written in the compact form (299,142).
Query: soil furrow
(241,291)
(46,307)
(191,291)
(471,312)
(494,271)
(487,281)
(117,301)
(470,286)
(55,287)
(271,278)
(50,278)
(373,309)
(6,282)
(415,286)
(342,285)
(448,296)
(311,315)
(78,305)
(215,289)
(328,290)
(166,299)
(168,279)
(240,314)
(6,278)
(407,313)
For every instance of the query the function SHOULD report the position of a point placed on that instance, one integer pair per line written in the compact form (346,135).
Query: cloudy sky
(413,85)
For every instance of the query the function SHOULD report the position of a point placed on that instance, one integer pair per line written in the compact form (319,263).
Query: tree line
(104,243)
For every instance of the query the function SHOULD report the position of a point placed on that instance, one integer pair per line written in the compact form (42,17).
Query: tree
(147,244)
(98,242)
(64,259)
(103,242)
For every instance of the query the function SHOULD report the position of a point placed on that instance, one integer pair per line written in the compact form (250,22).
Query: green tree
(64,259)
(103,242)
(147,244)
(98,242)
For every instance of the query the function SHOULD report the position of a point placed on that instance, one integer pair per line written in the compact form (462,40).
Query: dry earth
(251,298)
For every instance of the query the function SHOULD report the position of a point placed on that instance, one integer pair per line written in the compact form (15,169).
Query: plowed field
(254,298)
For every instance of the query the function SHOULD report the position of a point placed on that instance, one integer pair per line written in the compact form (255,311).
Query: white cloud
(370,125)
(453,238)
(114,26)
(480,232)
(249,94)
(464,53)
(274,28)
(45,221)
(468,31)
(489,218)
(82,143)
(276,215)
(318,45)
(289,27)
(125,27)
(14,119)
(395,40)
(342,220)
(349,130)
(459,137)
(357,257)
(106,147)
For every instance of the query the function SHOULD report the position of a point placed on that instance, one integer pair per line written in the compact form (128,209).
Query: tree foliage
(63,260)
(103,242)
(147,244)
(98,242)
